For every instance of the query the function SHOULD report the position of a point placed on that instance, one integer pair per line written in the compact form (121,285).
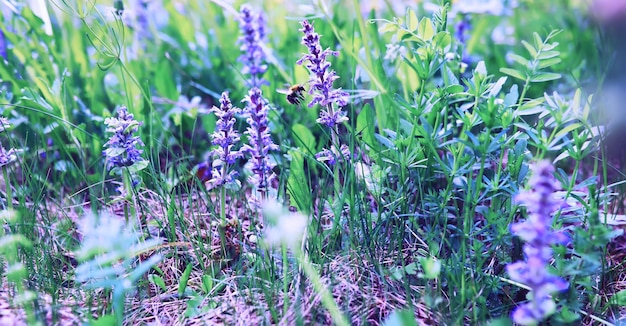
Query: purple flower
(224,137)
(536,232)
(332,157)
(321,82)
(252,56)
(122,148)
(3,45)
(260,139)
(9,156)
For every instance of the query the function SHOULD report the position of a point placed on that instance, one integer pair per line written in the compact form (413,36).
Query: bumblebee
(295,93)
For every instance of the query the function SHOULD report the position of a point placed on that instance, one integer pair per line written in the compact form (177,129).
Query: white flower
(285,227)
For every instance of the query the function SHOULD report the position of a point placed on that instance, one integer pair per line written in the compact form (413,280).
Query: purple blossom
(332,157)
(224,137)
(321,82)
(252,56)
(9,156)
(122,148)
(3,45)
(260,139)
(536,232)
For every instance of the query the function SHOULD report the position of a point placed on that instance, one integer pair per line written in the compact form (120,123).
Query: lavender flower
(322,80)
(224,137)
(3,45)
(4,124)
(260,139)
(536,232)
(252,34)
(122,148)
(7,157)
(332,157)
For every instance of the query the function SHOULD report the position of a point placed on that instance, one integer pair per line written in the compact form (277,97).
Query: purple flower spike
(260,139)
(536,232)
(322,79)
(252,56)
(3,46)
(122,148)
(224,137)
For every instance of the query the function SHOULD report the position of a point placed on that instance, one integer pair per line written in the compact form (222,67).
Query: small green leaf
(412,21)
(182,285)
(388,27)
(544,77)
(426,30)
(531,49)
(519,59)
(431,267)
(106,320)
(548,55)
(401,318)
(513,73)
(618,299)
(158,281)
(549,62)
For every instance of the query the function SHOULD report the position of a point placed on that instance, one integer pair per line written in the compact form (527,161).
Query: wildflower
(260,139)
(332,157)
(122,148)
(252,55)
(9,156)
(539,238)
(225,137)
(285,227)
(322,80)
(3,45)
(4,124)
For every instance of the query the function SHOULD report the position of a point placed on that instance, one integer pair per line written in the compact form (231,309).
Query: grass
(411,226)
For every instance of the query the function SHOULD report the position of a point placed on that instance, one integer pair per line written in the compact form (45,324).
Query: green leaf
(106,320)
(548,62)
(158,281)
(401,318)
(531,49)
(519,59)
(513,73)
(365,126)
(618,299)
(297,183)
(138,166)
(538,40)
(182,285)
(388,27)
(548,55)
(425,29)
(304,138)
(431,267)
(412,21)
(544,77)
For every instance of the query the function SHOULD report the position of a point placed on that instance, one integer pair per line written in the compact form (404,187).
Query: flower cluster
(260,139)
(9,156)
(252,56)
(122,148)
(224,137)
(536,232)
(322,80)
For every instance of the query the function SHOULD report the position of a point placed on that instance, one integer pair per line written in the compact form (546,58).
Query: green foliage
(442,129)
